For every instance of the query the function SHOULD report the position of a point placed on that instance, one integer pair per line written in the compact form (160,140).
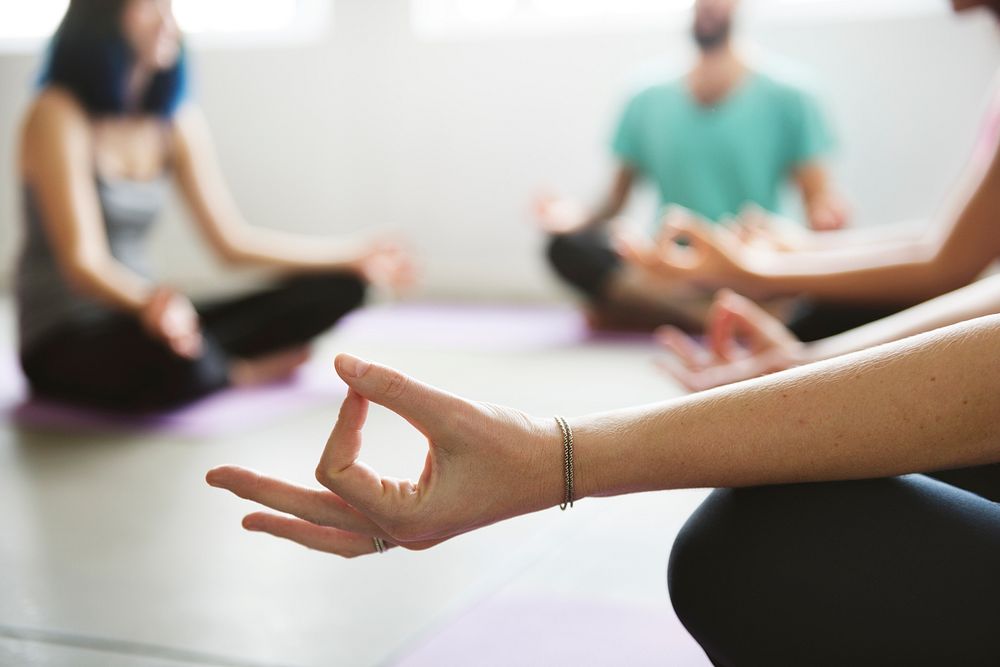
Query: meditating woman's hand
(711,256)
(170,317)
(386,263)
(743,341)
(484,464)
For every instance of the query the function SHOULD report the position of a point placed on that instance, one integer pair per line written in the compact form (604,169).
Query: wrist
(149,301)
(594,463)
(753,278)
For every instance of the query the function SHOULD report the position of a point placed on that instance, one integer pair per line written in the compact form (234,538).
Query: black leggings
(902,571)
(587,263)
(116,365)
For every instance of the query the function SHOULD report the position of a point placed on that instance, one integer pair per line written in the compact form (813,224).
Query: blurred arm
(204,188)
(58,164)
(943,259)
(615,200)
(825,210)
(977,300)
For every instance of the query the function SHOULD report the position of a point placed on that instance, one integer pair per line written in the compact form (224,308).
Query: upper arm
(810,138)
(57,164)
(200,179)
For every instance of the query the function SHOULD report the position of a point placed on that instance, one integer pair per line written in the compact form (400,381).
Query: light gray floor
(114,552)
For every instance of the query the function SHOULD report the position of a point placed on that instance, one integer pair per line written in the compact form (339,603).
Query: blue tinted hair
(89,57)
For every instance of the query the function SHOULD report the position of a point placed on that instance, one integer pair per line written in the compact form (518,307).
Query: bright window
(25,24)
(483,18)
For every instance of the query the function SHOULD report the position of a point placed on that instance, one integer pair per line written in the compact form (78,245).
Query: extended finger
(319,507)
(319,538)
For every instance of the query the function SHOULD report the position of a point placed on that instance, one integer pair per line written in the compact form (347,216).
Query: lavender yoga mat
(227,412)
(558,632)
(486,327)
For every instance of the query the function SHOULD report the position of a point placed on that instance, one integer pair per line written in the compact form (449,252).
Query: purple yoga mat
(482,327)
(224,413)
(558,632)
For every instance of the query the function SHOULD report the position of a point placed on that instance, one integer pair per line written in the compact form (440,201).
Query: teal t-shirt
(715,160)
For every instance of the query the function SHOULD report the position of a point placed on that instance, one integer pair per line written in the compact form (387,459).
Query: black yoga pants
(902,571)
(115,365)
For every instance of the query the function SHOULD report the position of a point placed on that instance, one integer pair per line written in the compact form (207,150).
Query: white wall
(449,141)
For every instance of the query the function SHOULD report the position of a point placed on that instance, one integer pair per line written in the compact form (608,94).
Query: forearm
(112,283)
(923,404)
(857,238)
(603,213)
(887,274)
(614,201)
(977,300)
(289,252)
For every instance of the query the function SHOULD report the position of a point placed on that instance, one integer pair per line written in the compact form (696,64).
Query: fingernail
(353,366)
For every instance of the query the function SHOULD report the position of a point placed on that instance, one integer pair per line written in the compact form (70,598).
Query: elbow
(946,274)
(231,255)
(232,260)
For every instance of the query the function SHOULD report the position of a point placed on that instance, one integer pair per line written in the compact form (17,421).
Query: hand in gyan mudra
(484,464)
(742,341)
(687,250)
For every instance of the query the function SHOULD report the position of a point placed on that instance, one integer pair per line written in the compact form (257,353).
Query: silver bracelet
(568,464)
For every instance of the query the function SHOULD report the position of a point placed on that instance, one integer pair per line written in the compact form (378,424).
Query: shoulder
(188,126)
(55,110)
(55,128)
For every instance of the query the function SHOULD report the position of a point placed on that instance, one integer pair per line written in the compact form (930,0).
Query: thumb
(425,407)
(720,327)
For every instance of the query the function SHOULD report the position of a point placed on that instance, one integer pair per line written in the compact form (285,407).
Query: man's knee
(584,260)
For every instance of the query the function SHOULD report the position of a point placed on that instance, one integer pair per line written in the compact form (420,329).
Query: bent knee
(338,292)
(583,260)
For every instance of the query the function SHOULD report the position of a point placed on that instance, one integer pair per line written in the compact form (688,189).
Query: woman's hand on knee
(386,263)
(170,317)
(484,464)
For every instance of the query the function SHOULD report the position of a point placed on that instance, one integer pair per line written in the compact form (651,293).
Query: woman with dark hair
(820,548)
(110,126)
